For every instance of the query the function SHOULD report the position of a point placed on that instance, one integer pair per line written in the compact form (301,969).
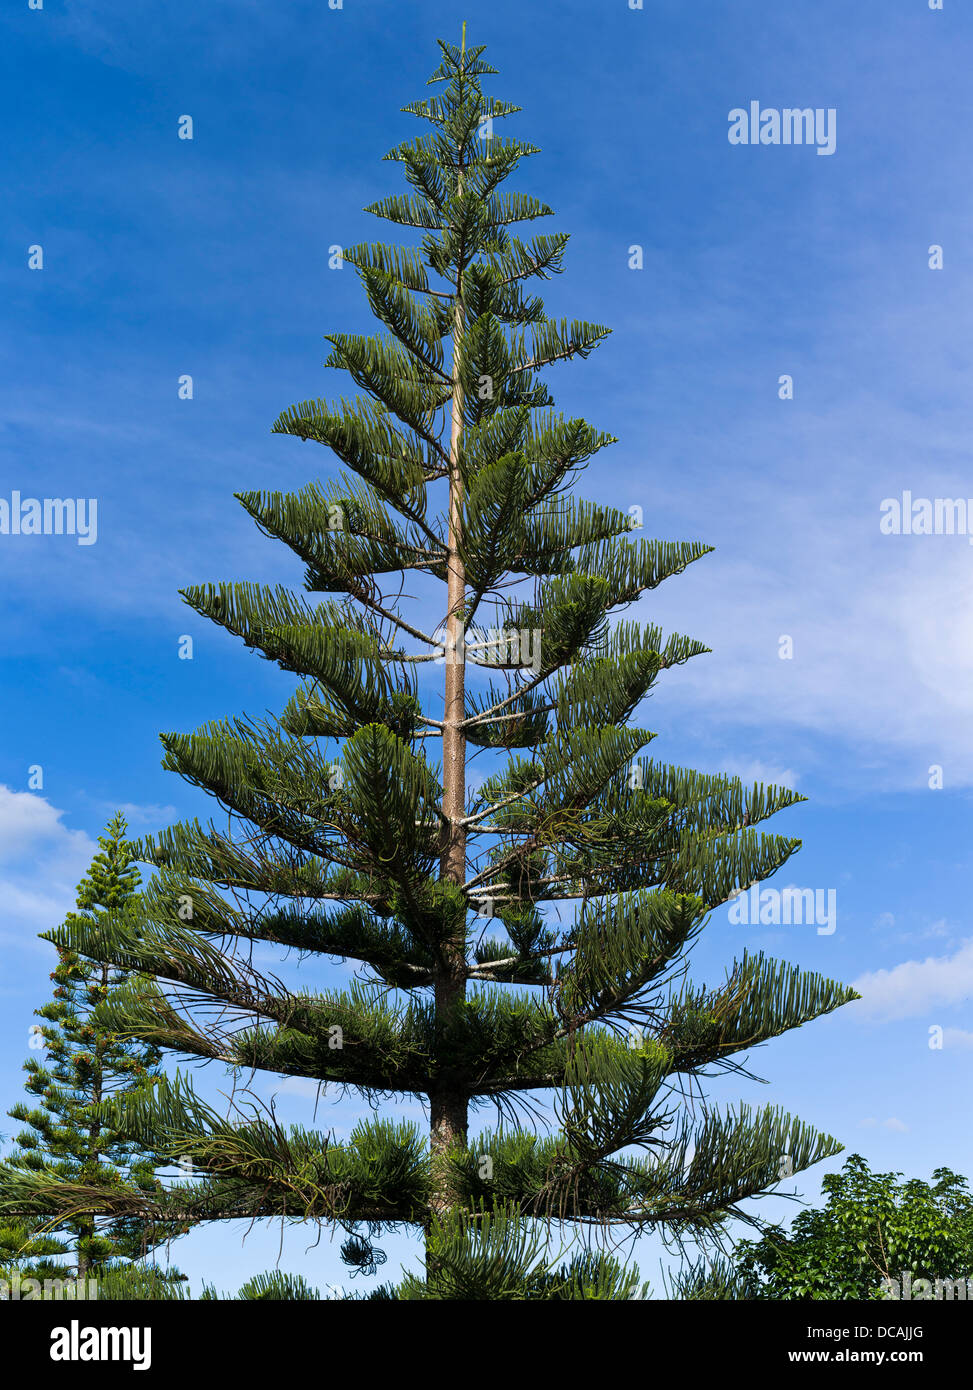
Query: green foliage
(872,1228)
(494,1255)
(711,1280)
(278,1287)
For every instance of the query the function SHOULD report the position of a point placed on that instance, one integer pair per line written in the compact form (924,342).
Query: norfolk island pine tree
(67,1140)
(520,940)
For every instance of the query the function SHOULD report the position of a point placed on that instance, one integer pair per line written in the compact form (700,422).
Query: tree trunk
(449,1102)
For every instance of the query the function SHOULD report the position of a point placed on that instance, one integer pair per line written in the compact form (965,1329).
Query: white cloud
(938,928)
(29,824)
(753,770)
(41,862)
(882,626)
(914,987)
(892,1123)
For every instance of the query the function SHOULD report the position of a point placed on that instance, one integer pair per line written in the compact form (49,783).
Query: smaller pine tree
(68,1141)
(27,1246)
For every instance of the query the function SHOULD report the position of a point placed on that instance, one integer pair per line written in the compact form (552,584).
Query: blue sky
(209,257)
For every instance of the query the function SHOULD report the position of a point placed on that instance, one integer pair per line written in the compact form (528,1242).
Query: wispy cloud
(751,770)
(911,989)
(896,1125)
(41,862)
